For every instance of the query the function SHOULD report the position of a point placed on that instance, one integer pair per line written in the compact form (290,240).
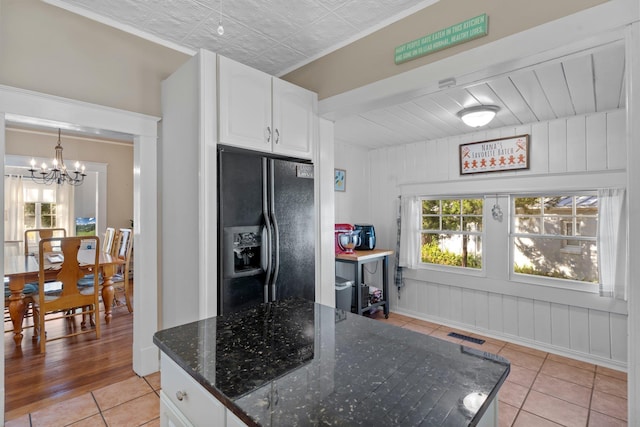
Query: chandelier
(58,173)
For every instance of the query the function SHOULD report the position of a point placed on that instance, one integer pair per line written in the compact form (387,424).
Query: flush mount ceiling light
(479,115)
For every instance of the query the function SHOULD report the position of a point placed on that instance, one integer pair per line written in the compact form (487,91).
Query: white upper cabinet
(261,112)
(294,115)
(244,106)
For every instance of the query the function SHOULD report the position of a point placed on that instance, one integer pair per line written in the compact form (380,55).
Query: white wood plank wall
(567,151)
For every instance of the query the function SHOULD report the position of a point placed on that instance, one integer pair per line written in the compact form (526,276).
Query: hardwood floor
(70,367)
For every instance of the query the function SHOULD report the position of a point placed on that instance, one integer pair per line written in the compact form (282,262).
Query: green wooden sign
(459,33)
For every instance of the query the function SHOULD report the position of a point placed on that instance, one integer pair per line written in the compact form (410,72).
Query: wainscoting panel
(579,333)
(618,333)
(542,321)
(525,318)
(599,328)
(509,311)
(560,335)
(594,335)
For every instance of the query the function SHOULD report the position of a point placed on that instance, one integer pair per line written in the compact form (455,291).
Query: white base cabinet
(185,403)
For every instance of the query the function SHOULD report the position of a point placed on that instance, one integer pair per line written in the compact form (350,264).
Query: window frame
(38,215)
(576,285)
(480,272)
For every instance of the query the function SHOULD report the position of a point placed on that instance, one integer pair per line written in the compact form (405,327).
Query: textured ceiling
(275,36)
(278,35)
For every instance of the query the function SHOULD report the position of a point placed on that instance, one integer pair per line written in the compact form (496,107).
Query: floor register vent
(466,338)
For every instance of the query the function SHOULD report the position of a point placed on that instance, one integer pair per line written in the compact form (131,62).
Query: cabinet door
(170,416)
(244,109)
(294,119)
(189,398)
(233,421)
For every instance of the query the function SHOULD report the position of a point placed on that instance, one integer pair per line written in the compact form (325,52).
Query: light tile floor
(542,390)
(132,402)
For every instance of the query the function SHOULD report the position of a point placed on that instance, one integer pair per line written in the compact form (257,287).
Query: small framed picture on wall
(340,180)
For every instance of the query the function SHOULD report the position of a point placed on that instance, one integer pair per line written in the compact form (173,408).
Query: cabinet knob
(180,395)
(268,133)
(277,138)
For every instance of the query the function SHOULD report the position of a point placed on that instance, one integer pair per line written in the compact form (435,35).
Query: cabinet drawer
(190,398)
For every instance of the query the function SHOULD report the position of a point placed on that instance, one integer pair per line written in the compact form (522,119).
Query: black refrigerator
(266,229)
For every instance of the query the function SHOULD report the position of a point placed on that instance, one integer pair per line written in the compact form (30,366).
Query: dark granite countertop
(298,363)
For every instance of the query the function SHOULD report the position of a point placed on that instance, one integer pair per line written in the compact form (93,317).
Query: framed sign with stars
(496,155)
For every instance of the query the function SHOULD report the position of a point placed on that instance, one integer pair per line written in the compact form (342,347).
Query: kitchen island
(299,363)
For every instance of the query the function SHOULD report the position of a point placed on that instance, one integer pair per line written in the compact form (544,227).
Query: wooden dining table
(21,269)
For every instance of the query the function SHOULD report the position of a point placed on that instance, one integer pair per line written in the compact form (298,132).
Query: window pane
(546,257)
(451,207)
(472,206)
(431,223)
(586,226)
(451,223)
(431,206)
(528,206)
(557,204)
(530,225)
(472,223)
(553,225)
(453,250)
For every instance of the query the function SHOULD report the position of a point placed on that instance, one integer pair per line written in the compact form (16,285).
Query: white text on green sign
(467,30)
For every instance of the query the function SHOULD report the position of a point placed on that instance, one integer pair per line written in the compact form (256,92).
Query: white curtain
(612,243)
(13,208)
(65,208)
(409,232)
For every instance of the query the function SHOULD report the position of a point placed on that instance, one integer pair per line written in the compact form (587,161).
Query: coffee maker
(367,237)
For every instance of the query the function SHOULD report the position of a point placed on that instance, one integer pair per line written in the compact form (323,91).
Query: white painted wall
(352,205)
(584,152)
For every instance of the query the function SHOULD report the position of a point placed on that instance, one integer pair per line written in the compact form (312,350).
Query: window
(451,232)
(540,228)
(39,215)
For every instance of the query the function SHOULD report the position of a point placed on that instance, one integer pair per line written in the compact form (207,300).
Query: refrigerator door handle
(276,233)
(267,244)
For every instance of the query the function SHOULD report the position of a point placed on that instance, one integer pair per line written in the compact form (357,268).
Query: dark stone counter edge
(214,391)
(229,404)
(493,395)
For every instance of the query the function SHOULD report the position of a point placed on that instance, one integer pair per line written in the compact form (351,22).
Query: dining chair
(33,236)
(30,293)
(125,247)
(70,296)
(109,238)
(109,247)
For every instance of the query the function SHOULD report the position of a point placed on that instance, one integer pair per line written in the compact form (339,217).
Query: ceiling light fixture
(58,173)
(479,115)
(220,27)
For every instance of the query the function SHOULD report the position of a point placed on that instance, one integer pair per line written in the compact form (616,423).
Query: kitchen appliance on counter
(347,238)
(266,248)
(367,237)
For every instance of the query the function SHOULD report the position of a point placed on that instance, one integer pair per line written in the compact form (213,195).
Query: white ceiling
(582,83)
(274,36)
(279,35)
